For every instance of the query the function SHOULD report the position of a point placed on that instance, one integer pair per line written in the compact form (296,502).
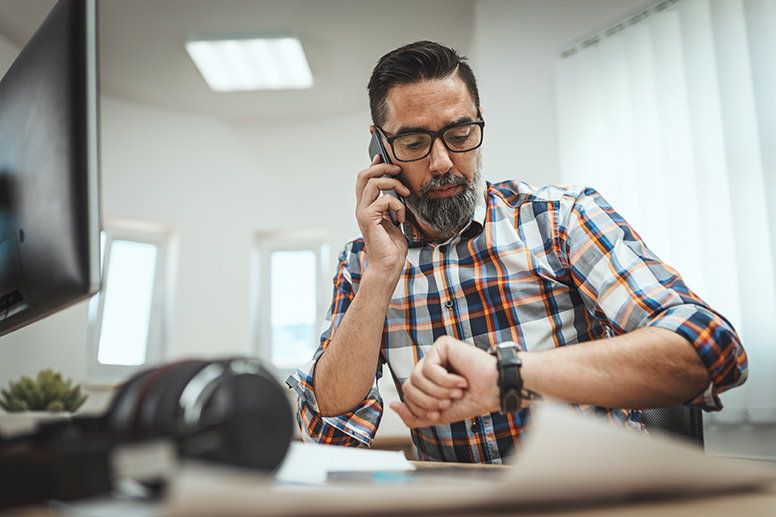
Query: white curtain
(671,115)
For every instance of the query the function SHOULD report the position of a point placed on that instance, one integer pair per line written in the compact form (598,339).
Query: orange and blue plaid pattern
(544,268)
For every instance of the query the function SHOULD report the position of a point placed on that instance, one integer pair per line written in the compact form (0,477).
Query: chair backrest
(675,422)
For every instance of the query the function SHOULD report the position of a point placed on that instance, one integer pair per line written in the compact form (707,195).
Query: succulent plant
(48,393)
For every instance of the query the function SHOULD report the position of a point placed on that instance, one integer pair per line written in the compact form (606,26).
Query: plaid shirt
(544,268)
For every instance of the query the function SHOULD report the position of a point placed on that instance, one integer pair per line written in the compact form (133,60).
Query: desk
(759,503)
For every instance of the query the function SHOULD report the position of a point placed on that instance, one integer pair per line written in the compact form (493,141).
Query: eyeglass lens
(457,139)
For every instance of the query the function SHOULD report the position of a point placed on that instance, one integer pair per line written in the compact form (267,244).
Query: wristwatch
(513,396)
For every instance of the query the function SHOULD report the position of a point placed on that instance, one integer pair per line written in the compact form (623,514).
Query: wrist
(528,370)
(380,276)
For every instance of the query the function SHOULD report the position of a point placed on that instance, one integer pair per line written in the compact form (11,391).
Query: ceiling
(143,59)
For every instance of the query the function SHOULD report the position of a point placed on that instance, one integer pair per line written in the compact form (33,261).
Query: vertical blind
(671,115)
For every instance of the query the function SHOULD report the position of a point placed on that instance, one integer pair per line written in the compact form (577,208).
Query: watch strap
(513,396)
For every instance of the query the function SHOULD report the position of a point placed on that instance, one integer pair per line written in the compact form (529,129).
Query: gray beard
(448,216)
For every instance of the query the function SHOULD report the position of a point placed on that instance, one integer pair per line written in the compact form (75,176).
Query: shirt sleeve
(626,286)
(357,427)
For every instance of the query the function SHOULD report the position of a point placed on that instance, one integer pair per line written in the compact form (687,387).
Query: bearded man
(483,297)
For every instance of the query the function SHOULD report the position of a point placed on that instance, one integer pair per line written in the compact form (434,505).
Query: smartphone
(376,147)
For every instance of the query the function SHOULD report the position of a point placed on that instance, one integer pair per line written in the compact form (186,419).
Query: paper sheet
(569,457)
(566,459)
(310,464)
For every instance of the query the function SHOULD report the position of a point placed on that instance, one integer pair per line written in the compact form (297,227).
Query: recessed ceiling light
(251,61)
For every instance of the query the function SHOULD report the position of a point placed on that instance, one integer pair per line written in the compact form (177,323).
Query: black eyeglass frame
(434,135)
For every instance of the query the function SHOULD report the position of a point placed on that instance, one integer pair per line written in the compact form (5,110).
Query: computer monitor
(49,169)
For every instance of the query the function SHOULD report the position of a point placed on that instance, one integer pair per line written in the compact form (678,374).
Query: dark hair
(413,63)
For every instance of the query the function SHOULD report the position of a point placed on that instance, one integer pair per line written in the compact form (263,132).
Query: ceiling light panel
(254,61)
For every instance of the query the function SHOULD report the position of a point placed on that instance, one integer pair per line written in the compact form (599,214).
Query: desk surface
(754,503)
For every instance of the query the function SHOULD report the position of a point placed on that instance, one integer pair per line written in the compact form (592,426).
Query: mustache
(442,180)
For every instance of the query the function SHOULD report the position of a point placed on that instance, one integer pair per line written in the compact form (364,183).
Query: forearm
(346,371)
(650,367)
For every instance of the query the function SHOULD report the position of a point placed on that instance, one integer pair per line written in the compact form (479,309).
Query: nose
(439,158)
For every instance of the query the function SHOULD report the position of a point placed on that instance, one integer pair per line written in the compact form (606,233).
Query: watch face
(501,346)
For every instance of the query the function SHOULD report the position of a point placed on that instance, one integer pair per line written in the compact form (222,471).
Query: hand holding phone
(376,147)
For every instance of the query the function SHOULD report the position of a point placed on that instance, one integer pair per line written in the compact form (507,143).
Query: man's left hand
(454,381)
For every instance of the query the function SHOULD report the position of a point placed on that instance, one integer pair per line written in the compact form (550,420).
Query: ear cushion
(258,432)
(123,413)
(246,421)
(156,412)
(144,387)
(122,405)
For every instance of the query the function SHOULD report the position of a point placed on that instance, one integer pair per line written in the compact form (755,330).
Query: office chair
(670,423)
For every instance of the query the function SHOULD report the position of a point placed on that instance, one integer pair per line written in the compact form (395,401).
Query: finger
(417,398)
(421,381)
(442,377)
(374,186)
(406,415)
(397,206)
(409,418)
(431,416)
(426,414)
(375,170)
(379,209)
(437,368)
(372,194)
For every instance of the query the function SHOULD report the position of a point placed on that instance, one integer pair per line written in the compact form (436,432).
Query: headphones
(229,411)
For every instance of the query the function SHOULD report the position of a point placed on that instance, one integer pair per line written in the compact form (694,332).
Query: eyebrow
(420,129)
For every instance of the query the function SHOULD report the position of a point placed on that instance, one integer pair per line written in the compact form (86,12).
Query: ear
(481,111)
(371,129)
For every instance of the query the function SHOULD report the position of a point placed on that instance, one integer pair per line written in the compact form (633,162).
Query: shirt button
(475,428)
(449,304)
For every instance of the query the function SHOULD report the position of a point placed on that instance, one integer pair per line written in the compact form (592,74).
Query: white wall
(218,184)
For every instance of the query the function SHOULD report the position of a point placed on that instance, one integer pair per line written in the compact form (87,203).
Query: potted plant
(29,401)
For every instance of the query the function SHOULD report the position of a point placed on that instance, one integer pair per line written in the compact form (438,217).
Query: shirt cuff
(355,428)
(717,344)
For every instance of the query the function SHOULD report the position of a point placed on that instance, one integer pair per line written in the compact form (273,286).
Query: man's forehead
(427,104)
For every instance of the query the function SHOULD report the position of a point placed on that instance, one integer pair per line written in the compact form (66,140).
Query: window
(128,317)
(288,298)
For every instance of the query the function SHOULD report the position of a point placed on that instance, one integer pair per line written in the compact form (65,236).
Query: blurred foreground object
(230,411)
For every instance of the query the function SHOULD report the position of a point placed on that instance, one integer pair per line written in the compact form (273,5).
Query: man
(552,280)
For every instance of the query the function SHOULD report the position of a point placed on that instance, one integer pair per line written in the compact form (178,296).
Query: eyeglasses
(460,138)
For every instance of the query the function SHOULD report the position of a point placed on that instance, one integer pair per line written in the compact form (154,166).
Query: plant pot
(24,422)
